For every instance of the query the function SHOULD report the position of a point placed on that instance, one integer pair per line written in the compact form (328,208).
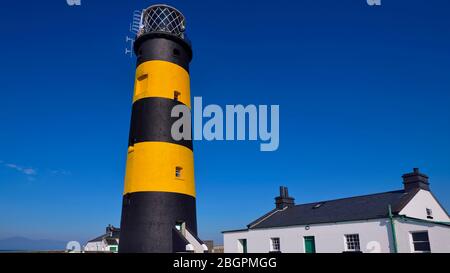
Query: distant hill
(25,244)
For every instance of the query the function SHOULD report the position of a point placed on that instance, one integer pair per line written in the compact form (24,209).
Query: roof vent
(318,205)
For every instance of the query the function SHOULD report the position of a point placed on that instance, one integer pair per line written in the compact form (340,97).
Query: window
(178,226)
(181,227)
(242,245)
(142,83)
(352,242)
(176,95)
(178,172)
(429,213)
(275,245)
(421,241)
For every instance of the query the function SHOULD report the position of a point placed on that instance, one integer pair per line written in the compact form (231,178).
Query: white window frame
(272,249)
(346,242)
(411,241)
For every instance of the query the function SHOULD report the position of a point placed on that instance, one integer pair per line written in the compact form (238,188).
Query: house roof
(340,210)
(111,241)
(115,235)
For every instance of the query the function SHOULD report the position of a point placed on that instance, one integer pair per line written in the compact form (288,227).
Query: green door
(113,249)
(310,244)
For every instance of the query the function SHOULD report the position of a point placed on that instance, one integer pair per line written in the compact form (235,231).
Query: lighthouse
(159,201)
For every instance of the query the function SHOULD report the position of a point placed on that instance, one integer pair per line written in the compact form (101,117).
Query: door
(242,246)
(113,249)
(310,244)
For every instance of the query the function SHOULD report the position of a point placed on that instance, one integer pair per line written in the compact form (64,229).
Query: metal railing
(162,18)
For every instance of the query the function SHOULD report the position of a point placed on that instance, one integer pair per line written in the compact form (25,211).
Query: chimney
(109,229)
(415,180)
(284,200)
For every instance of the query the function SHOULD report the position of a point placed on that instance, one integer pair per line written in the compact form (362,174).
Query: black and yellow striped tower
(159,197)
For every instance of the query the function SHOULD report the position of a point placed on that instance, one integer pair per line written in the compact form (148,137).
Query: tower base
(152,222)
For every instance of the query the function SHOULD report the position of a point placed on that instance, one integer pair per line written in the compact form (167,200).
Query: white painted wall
(96,246)
(416,208)
(375,236)
(439,235)
(329,238)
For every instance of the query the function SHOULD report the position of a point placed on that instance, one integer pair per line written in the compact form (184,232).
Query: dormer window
(429,213)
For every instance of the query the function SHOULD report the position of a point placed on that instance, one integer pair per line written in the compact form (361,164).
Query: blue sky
(364,95)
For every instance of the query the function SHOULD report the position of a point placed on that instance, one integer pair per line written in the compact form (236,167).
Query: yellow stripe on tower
(162,79)
(160,167)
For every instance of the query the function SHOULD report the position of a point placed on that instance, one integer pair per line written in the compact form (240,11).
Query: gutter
(406,218)
(394,236)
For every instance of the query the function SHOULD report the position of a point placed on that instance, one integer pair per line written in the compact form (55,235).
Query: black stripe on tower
(151,121)
(158,212)
(163,47)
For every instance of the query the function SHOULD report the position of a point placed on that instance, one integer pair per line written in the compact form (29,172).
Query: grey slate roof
(340,210)
(111,241)
(115,235)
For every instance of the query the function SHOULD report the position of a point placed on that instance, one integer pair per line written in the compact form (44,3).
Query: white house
(108,242)
(404,221)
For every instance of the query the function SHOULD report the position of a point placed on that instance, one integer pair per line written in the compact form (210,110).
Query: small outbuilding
(108,242)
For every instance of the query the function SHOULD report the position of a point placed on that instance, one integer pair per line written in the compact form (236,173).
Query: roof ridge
(265,217)
(351,197)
